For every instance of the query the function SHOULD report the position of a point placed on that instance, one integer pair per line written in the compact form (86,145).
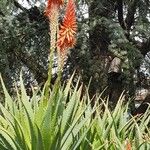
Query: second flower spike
(68,28)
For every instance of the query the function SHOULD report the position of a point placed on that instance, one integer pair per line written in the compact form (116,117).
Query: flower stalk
(52,12)
(61,39)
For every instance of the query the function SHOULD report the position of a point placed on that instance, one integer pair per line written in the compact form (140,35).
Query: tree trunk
(99,43)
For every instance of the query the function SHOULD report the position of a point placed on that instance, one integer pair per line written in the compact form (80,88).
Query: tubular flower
(68,28)
(51,4)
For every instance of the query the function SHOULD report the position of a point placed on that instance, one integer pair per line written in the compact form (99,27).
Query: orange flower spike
(128,145)
(52,12)
(51,4)
(68,28)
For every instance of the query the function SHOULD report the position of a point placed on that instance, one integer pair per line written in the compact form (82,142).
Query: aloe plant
(37,123)
(65,120)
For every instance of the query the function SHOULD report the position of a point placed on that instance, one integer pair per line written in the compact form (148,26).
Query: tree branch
(145,47)
(120,13)
(18,5)
(39,72)
(130,14)
(129,21)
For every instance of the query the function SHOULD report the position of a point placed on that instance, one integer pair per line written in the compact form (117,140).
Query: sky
(26,4)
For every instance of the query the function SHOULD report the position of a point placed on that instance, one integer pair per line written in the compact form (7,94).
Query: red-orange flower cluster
(51,4)
(68,28)
(128,146)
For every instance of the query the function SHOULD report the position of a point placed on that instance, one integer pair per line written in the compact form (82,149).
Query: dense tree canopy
(113,43)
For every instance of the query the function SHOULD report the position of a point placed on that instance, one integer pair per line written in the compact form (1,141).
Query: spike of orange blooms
(128,145)
(51,4)
(68,28)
